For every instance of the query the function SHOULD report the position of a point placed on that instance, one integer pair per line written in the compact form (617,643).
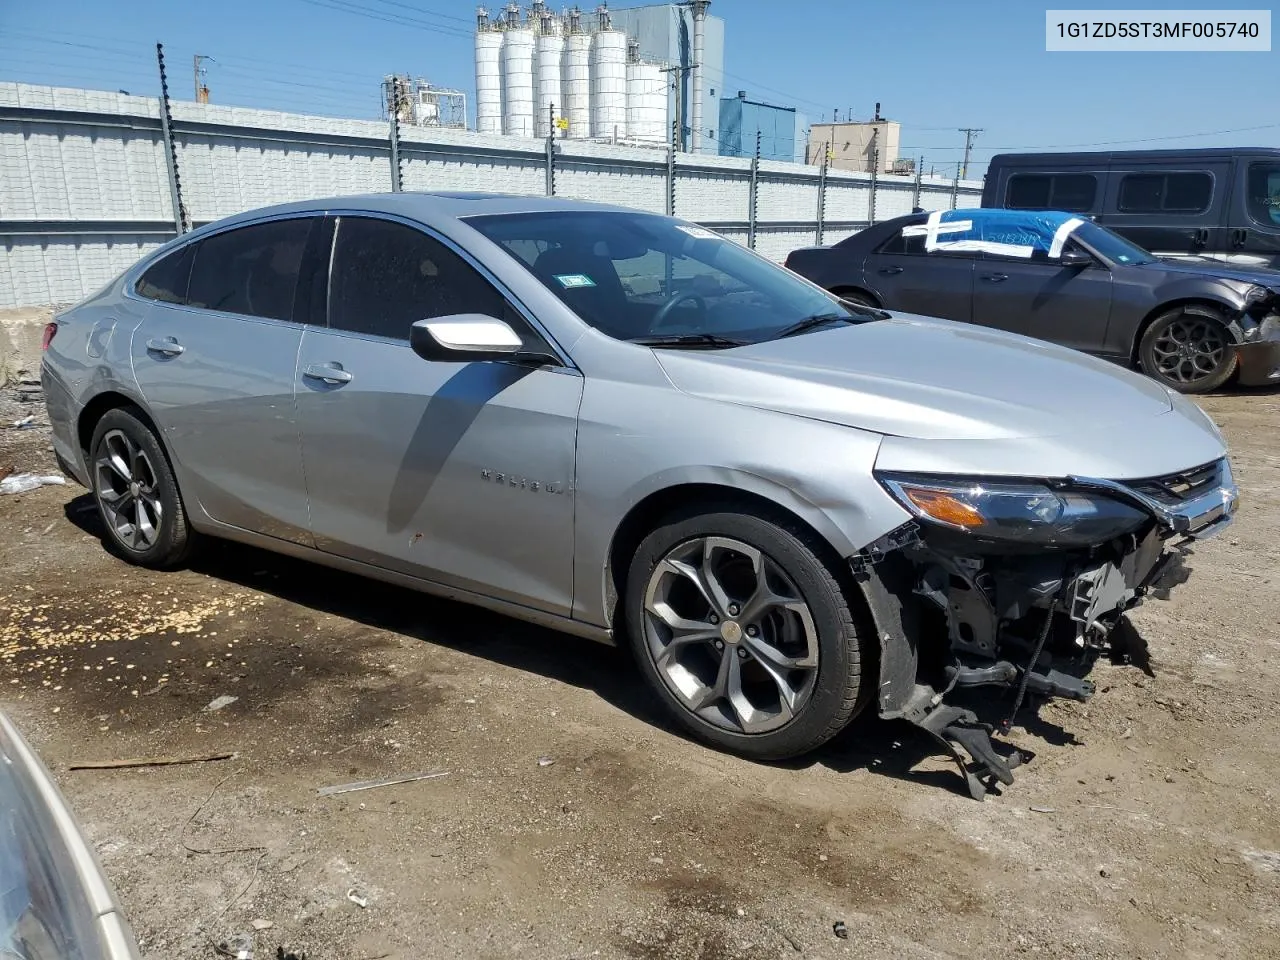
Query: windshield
(637,276)
(1111,245)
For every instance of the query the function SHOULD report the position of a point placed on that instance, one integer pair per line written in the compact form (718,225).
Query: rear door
(215,364)
(904,276)
(1253,220)
(460,473)
(1170,209)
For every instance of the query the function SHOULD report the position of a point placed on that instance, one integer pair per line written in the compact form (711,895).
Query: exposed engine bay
(956,610)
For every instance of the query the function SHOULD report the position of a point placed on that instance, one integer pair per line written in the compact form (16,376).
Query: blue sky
(934,65)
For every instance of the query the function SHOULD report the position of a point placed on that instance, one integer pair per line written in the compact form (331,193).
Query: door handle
(328,372)
(1201,237)
(995,277)
(890,270)
(1238,238)
(167,346)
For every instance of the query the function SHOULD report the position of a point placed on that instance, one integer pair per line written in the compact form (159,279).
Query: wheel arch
(844,288)
(757,498)
(1220,310)
(98,407)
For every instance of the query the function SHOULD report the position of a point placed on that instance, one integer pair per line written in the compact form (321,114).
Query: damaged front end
(1259,339)
(1019,584)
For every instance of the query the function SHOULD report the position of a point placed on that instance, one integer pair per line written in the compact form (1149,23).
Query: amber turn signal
(943,507)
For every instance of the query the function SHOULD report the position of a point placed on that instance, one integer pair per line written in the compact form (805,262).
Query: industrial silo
(488,75)
(608,79)
(577,78)
(517,78)
(550,88)
(646,98)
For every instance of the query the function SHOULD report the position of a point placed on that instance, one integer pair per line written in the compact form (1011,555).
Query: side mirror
(1075,258)
(463,338)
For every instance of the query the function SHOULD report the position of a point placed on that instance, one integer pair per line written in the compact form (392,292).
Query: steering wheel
(664,312)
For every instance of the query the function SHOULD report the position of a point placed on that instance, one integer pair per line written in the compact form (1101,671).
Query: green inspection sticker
(571,280)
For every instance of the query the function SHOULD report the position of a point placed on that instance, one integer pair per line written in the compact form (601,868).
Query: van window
(1165,192)
(1264,193)
(1072,192)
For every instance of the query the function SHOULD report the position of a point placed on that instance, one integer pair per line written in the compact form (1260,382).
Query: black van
(1222,203)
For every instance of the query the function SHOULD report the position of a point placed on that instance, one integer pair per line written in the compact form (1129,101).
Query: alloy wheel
(1189,349)
(129,491)
(730,634)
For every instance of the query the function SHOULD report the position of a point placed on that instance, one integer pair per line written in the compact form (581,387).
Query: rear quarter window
(1072,192)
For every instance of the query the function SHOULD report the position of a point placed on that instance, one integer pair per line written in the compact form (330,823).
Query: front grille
(1176,488)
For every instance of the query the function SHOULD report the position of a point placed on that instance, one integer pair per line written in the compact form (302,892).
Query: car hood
(1264,276)
(926,379)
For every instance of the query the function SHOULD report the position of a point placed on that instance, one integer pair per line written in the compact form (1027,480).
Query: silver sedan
(629,428)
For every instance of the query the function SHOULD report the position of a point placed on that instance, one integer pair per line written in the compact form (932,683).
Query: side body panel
(1065,305)
(1199,232)
(460,473)
(225,408)
(638,435)
(932,285)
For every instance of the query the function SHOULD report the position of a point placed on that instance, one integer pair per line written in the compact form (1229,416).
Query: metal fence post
(551,150)
(180,220)
(875,178)
(955,188)
(671,169)
(822,193)
(753,194)
(915,200)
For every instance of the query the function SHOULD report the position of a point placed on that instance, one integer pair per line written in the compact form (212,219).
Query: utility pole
(753,194)
(197,77)
(969,134)
(181,222)
(678,84)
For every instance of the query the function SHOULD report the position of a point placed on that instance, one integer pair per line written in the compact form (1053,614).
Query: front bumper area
(952,613)
(1259,351)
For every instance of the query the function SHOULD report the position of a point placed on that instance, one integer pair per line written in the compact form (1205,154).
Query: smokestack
(699,51)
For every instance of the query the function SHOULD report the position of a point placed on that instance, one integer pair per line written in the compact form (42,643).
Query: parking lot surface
(573,822)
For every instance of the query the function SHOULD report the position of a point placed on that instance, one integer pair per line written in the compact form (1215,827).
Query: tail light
(49,330)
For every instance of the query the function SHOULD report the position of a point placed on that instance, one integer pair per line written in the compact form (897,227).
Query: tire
(136,493)
(1188,350)
(822,647)
(857,296)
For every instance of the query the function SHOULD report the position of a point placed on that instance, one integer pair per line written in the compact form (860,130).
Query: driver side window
(386,276)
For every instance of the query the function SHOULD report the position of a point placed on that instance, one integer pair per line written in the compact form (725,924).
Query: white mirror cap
(473,332)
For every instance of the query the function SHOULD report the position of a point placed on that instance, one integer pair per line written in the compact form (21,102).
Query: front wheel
(1188,351)
(744,633)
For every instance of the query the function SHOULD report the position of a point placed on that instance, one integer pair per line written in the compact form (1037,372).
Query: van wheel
(1189,351)
(744,632)
(137,494)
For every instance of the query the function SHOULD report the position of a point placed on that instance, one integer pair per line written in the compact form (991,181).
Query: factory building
(858,145)
(682,36)
(575,74)
(783,131)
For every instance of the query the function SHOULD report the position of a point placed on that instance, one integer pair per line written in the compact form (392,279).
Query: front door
(460,473)
(215,361)
(1039,297)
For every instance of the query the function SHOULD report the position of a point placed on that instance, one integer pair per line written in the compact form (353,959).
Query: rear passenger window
(902,243)
(166,279)
(387,276)
(251,271)
(1165,193)
(1072,192)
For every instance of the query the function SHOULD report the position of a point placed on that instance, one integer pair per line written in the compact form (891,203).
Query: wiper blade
(806,324)
(693,340)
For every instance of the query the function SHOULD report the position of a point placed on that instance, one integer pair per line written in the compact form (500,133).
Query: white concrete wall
(84,189)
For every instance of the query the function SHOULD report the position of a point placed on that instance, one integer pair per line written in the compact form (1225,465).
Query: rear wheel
(136,492)
(1189,351)
(744,632)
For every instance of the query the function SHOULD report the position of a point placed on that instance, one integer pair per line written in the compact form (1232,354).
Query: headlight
(1023,512)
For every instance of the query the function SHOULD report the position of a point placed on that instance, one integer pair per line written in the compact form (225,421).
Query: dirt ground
(1146,825)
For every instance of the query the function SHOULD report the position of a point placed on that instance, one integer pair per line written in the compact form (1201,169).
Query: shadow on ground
(891,748)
